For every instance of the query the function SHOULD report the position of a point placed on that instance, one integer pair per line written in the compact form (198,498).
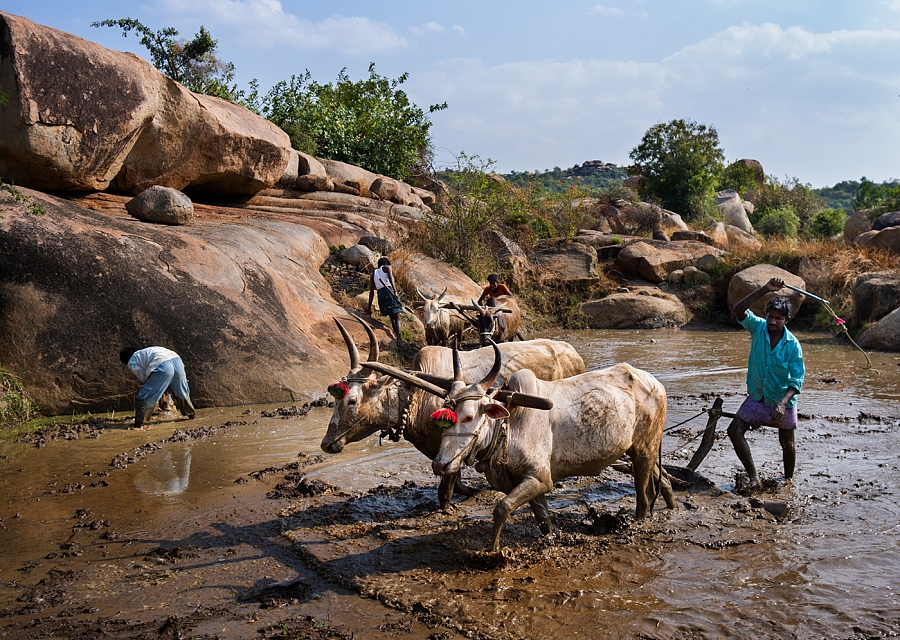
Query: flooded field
(236,524)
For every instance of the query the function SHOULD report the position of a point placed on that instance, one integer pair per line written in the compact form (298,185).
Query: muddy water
(181,525)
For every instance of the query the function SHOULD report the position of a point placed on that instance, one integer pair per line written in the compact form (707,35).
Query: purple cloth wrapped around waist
(757,414)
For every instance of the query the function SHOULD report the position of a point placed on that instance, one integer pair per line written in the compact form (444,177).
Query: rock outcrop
(749,280)
(731,206)
(82,117)
(239,296)
(643,308)
(876,294)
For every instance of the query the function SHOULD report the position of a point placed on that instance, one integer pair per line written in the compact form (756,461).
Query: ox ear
(496,411)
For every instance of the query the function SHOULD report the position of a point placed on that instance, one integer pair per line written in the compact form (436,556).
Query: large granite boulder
(242,302)
(161,204)
(731,206)
(856,225)
(749,280)
(566,261)
(716,231)
(886,220)
(888,238)
(643,308)
(876,294)
(885,335)
(82,117)
(432,276)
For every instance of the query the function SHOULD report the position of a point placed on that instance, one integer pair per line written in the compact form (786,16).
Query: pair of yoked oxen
(533,418)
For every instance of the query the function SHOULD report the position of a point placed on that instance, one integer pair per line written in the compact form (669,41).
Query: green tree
(738,176)
(193,63)
(679,163)
(790,194)
(779,222)
(370,123)
(826,223)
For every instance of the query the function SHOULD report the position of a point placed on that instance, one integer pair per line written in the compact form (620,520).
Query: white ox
(441,324)
(380,403)
(594,419)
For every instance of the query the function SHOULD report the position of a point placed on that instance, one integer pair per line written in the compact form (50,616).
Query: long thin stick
(807,294)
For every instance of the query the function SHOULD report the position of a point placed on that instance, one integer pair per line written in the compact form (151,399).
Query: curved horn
(422,295)
(351,347)
(516,399)
(402,375)
(489,379)
(477,306)
(457,365)
(373,341)
(442,295)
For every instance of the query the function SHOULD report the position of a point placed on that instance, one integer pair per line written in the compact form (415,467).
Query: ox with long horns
(523,447)
(498,322)
(441,323)
(367,403)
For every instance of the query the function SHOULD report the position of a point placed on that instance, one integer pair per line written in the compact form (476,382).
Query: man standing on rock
(382,281)
(160,370)
(775,373)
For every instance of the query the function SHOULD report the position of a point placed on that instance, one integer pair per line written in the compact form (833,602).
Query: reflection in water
(165,472)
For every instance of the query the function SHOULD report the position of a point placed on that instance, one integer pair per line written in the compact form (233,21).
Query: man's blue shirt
(771,371)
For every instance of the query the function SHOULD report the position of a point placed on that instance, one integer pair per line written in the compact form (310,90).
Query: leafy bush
(779,222)
(679,163)
(826,223)
(368,123)
(775,195)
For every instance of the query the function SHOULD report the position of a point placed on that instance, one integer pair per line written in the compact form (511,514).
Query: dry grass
(829,268)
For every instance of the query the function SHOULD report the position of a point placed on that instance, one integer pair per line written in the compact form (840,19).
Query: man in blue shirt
(775,373)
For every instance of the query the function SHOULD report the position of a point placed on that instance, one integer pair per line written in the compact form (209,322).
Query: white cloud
(822,104)
(428,27)
(608,11)
(458,29)
(265,23)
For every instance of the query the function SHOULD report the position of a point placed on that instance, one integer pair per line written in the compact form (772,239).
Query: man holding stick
(775,373)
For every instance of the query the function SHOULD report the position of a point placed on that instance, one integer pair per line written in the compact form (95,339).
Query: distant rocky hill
(593,174)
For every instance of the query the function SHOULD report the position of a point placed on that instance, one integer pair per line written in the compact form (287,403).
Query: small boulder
(671,221)
(876,294)
(885,335)
(693,275)
(382,246)
(856,225)
(161,204)
(359,256)
(716,231)
(384,188)
(888,238)
(749,280)
(886,221)
(644,309)
(733,212)
(737,237)
(629,258)
(311,174)
(696,236)
(865,237)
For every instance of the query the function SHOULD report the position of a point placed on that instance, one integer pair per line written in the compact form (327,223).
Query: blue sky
(810,88)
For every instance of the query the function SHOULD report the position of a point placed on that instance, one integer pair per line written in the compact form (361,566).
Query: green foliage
(16,406)
(36,208)
(369,123)
(839,196)
(557,180)
(738,176)
(790,194)
(193,63)
(779,222)
(876,199)
(680,164)
(826,223)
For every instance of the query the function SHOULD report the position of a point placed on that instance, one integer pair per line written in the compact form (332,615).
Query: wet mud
(242,528)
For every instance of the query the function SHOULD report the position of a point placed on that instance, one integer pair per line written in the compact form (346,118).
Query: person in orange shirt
(495,289)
